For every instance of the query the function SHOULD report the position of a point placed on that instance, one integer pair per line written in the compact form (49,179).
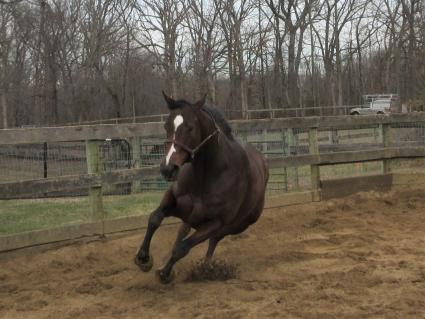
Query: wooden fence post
(45,160)
(292,142)
(378,133)
(137,162)
(94,167)
(285,152)
(264,144)
(334,138)
(313,145)
(244,137)
(386,140)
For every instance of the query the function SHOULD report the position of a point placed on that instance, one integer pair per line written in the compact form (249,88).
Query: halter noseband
(191,151)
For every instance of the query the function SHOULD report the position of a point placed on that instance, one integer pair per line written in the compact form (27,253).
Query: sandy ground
(357,257)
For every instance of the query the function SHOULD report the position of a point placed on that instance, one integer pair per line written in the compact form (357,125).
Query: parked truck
(378,104)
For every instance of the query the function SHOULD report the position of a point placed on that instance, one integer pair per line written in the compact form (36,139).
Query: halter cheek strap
(193,152)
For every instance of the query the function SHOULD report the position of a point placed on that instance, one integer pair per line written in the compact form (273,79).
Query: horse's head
(183,135)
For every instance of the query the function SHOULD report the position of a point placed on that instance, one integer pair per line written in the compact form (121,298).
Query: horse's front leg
(182,248)
(143,259)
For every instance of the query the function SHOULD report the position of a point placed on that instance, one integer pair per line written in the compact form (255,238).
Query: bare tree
(336,16)
(232,17)
(207,46)
(160,28)
(5,43)
(294,16)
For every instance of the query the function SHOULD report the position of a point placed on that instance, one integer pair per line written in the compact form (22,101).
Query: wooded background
(65,61)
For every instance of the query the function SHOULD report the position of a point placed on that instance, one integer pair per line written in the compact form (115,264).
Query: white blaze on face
(178,120)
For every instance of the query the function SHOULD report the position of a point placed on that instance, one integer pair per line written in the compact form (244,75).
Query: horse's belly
(190,210)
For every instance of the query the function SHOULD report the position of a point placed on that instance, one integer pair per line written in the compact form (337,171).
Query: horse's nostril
(175,171)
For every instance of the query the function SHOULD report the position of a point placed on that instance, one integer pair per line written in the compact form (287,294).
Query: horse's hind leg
(183,247)
(227,230)
(211,247)
(183,231)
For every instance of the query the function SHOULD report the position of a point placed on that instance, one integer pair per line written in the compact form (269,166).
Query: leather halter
(192,152)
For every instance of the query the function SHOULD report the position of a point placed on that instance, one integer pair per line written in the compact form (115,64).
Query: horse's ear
(170,102)
(201,102)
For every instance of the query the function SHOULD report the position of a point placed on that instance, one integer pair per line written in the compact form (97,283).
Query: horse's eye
(190,128)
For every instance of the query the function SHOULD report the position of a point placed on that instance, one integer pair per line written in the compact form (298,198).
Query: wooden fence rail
(113,131)
(72,182)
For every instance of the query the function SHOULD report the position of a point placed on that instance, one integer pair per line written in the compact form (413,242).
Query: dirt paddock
(358,257)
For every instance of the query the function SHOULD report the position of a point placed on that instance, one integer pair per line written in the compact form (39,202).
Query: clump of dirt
(346,206)
(92,287)
(317,222)
(213,270)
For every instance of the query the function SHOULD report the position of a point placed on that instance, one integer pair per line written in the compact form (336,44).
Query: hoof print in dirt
(163,279)
(214,270)
(145,267)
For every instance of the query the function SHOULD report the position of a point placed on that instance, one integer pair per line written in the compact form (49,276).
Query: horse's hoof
(145,267)
(163,278)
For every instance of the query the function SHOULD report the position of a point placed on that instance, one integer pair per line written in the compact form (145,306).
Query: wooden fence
(94,179)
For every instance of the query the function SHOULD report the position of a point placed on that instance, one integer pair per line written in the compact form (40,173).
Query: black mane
(178,104)
(219,119)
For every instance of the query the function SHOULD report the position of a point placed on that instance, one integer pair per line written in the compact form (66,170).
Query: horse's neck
(209,161)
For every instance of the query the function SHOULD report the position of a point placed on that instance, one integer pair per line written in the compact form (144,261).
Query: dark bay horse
(218,185)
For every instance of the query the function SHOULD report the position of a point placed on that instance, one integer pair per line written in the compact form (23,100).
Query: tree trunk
(338,76)
(3,101)
(211,87)
(3,66)
(292,84)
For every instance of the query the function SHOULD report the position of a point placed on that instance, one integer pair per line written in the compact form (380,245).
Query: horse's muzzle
(169,172)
